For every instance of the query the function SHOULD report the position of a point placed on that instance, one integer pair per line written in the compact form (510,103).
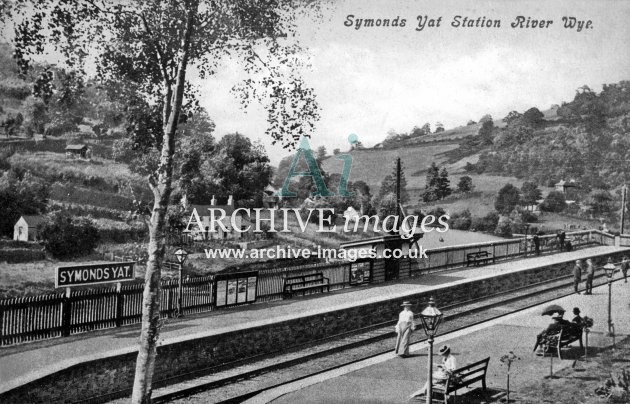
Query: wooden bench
(302,283)
(478,258)
(463,377)
(555,342)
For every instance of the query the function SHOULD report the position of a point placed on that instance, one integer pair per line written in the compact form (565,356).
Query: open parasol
(554,308)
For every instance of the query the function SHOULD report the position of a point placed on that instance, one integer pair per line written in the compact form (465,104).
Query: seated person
(558,324)
(577,319)
(444,370)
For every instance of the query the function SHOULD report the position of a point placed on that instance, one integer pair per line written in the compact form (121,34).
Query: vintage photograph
(314,201)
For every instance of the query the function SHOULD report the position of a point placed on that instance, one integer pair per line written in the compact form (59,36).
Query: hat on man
(576,310)
(445,350)
(406,304)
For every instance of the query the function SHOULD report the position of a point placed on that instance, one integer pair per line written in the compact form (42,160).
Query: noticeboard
(360,272)
(80,275)
(236,288)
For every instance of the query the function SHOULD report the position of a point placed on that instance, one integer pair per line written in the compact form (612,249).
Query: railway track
(237,381)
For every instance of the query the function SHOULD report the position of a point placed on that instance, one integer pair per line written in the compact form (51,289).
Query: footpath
(390,379)
(28,362)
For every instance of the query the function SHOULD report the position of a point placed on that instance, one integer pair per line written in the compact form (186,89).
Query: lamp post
(610,270)
(181,255)
(431,318)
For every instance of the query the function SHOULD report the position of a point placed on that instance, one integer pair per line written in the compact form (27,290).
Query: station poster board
(96,274)
(361,272)
(235,288)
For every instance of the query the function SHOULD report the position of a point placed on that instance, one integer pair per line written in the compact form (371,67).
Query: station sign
(80,275)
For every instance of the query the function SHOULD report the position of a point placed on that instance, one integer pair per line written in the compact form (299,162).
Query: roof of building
(76,147)
(202,210)
(33,220)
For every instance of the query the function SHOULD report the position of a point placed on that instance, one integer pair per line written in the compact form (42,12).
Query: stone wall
(115,374)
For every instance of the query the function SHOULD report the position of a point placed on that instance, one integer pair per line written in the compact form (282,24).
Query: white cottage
(26,228)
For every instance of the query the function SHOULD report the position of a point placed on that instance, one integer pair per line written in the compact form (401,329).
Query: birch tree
(155,47)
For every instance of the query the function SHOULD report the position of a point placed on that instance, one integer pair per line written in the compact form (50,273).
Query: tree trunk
(161,186)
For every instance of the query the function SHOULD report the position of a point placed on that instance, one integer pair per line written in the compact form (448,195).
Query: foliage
(554,202)
(585,144)
(461,220)
(507,199)
(64,236)
(20,194)
(530,193)
(235,167)
(504,227)
(465,184)
(437,184)
(35,114)
(486,223)
(486,132)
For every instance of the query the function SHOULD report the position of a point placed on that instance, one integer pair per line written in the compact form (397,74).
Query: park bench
(463,377)
(555,342)
(478,258)
(302,283)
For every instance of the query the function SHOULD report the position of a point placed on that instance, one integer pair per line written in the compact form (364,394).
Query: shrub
(63,236)
(504,227)
(487,223)
(554,202)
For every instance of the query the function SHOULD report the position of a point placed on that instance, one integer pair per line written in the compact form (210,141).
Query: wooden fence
(48,316)
(456,256)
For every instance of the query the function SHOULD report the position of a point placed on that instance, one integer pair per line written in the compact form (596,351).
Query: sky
(375,79)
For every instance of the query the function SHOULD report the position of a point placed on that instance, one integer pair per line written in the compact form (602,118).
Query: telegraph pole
(398,182)
(624,190)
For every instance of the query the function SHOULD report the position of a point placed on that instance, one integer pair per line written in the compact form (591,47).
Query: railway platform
(390,379)
(27,363)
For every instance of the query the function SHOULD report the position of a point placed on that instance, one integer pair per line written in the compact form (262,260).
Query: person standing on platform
(404,328)
(590,274)
(577,275)
(537,244)
(625,264)
(561,236)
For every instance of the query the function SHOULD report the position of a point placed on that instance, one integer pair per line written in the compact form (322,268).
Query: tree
(320,155)
(486,132)
(533,117)
(20,194)
(336,151)
(507,199)
(152,45)
(444,184)
(485,118)
(512,117)
(426,128)
(554,202)
(36,115)
(431,192)
(236,167)
(439,127)
(64,236)
(530,193)
(465,184)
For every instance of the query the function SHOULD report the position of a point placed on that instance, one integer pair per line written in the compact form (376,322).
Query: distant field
(372,165)
(99,173)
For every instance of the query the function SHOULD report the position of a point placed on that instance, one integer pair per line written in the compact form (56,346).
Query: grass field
(99,173)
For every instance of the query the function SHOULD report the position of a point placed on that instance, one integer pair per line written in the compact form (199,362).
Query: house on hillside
(78,150)
(25,228)
(198,220)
